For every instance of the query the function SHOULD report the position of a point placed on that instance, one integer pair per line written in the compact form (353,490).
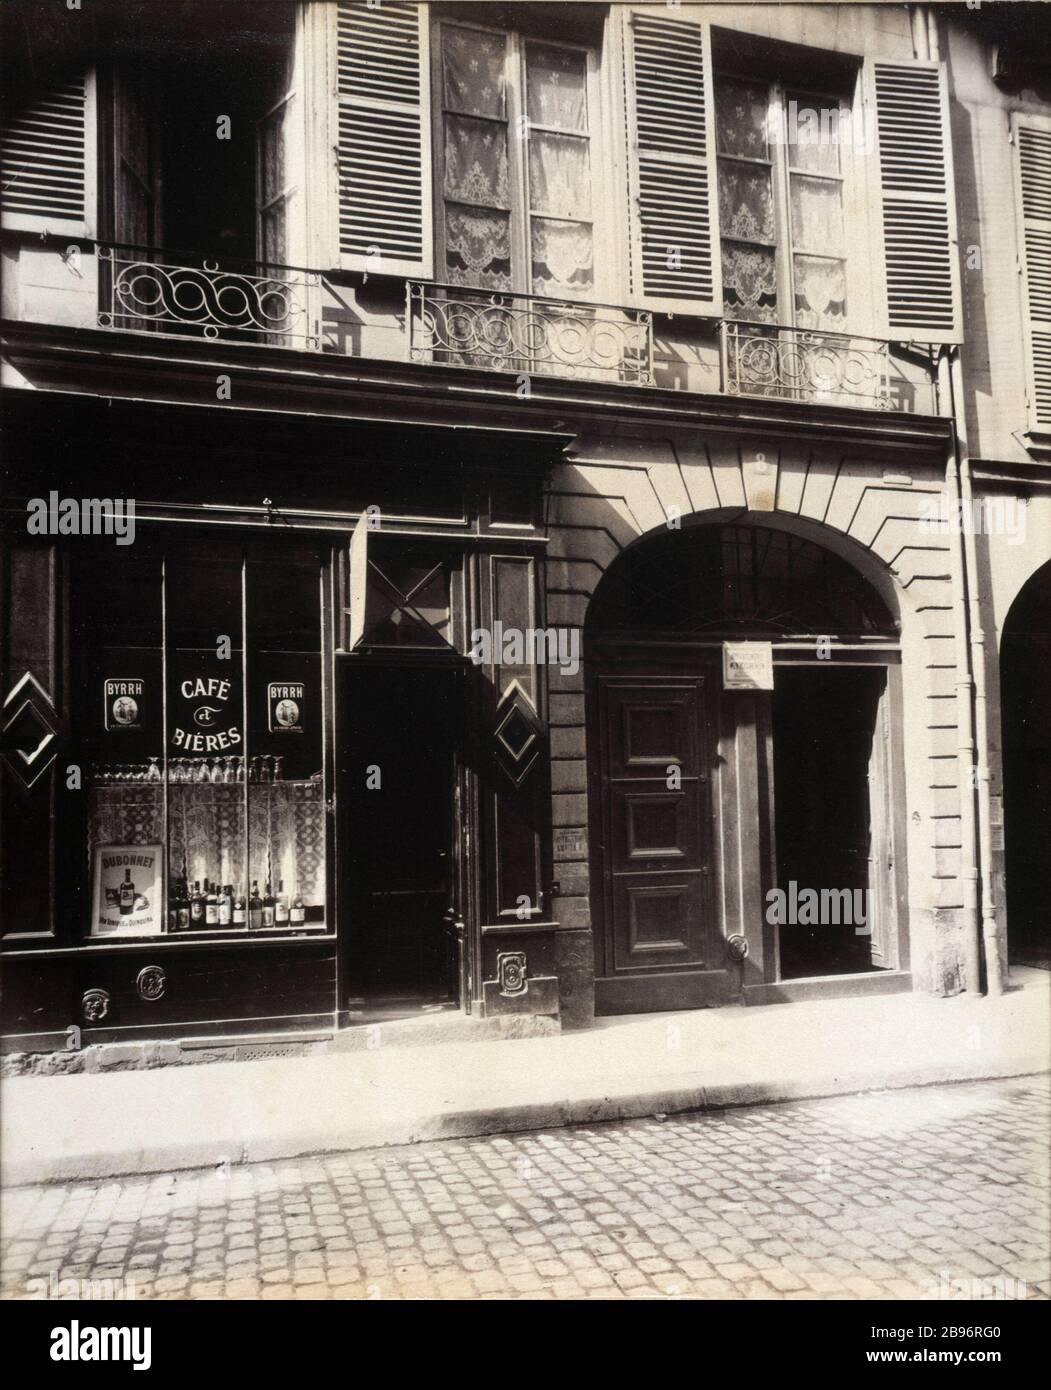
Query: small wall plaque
(571,844)
(748,666)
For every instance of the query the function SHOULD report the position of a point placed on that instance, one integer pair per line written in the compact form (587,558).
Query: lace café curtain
(561,232)
(819,271)
(746,201)
(477,188)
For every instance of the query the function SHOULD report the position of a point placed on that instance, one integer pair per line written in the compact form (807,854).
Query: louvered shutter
(48,160)
(1032,135)
(921,261)
(674,236)
(383,141)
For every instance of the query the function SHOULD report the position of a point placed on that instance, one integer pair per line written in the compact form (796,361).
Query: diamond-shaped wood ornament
(517,737)
(29,732)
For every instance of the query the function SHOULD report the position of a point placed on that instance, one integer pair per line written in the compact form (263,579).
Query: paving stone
(804,1200)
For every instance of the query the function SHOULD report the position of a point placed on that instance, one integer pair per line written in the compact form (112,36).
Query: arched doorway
(1025,676)
(741,839)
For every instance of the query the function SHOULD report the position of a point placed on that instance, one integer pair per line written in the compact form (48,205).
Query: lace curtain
(476,167)
(474,63)
(477,175)
(477,238)
(820,292)
(556,88)
(746,203)
(560,175)
(562,254)
(477,247)
(741,116)
(749,282)
(817,215)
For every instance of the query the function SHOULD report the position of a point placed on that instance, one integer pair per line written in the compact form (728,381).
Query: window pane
(286,811)
(741,118)
(816,126)
(746,204)
(476,162)
(117,623)
(477,247)
(560,175)
(562,255)
(817,214)
(474,64)
(407,601)
(820,292)
(749,282)
(206,734)
(556,87)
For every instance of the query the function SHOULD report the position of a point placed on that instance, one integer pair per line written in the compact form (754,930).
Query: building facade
(520,509)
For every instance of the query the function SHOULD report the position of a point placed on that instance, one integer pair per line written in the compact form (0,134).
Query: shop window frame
(312,551)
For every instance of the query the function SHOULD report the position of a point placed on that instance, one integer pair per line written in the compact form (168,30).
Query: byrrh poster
(127,896)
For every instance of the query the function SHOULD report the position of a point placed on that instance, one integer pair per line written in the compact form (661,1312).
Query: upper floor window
(781,204)
(516,160)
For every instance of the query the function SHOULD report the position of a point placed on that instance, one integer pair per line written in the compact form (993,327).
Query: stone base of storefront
(194,1051)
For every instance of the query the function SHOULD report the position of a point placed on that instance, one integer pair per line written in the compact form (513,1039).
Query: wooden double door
(702,801)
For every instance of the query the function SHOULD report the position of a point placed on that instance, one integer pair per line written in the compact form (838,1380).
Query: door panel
(652,777)
(397,796)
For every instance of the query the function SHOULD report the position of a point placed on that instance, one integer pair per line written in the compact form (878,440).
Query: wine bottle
(281,905)
(225,904)
(184,904)
(298,913)
(268,907)
(239,911)
(211,905)
(197,905)
(126,899)
(255,907)
(173,905)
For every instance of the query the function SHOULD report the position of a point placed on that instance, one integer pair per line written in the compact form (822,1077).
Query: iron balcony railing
(802,364)
(528,333)
(276,305)
(145,289)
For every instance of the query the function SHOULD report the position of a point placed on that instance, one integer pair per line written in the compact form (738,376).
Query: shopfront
(253,781)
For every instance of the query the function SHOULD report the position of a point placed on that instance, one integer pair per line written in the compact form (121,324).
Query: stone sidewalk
(102,1125)
(932,1193)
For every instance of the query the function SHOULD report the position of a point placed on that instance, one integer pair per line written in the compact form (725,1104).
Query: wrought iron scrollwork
(219,304)
(527,333)
(806,365)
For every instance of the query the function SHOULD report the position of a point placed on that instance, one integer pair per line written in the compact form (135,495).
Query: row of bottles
(215,906)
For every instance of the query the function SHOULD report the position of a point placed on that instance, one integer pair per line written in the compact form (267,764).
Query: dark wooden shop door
(653,773)
(398,834)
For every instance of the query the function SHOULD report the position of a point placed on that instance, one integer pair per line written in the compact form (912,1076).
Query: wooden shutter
(48,160)
(1032,136)
(919,214)
(674,236)
(383,140)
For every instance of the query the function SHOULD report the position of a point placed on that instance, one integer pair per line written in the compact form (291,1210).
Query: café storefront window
(201,718)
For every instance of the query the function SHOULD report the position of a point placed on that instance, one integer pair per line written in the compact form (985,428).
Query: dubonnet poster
(127,897)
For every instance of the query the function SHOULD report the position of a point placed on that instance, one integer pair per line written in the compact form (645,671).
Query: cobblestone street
(940,1191)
